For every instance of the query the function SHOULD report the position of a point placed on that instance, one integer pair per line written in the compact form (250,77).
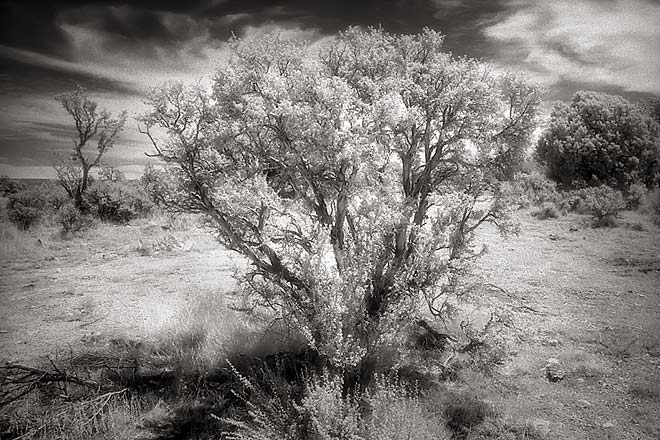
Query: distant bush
(26,207)
(117,202)
(652,205)
(9,186)
(546,211)
(56,196)
(72,220)
(531,189)
(158,185)
(603,203)
(601,139)
(634,195)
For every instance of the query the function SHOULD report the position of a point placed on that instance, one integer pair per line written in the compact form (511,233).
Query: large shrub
(26,207)
(352,175)
(601,139)
(117,202)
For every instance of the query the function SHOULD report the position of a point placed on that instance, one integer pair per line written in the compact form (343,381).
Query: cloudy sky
(119,49)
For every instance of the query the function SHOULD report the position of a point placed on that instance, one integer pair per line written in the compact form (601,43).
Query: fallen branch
(18,380)
(92,322)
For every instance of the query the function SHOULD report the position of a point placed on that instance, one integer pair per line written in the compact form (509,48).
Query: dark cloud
(23,78)
(27,25)
(459,20)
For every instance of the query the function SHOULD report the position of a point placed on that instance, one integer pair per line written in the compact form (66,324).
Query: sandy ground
(597,292)
(98,286)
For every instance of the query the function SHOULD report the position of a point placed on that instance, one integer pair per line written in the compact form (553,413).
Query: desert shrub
(117,202)
(385,411)
(465,412)
(71,219)
(157,184)
(56,196)
(655,206)
(601,139)
(532,189)
(634,195)
(396,411)
(26,207)
(546,211)
(496,428)
(650,205)
(603,203)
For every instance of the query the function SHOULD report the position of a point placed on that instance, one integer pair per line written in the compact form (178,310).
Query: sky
(118,50)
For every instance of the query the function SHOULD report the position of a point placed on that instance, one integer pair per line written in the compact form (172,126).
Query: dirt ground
(113,281)
(596,293)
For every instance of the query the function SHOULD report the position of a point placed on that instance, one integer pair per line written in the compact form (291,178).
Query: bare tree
(73,171)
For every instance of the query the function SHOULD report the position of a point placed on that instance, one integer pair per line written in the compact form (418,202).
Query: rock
(584,403)
(539,425)
(573,229)
(608,425)
(551,342)
(553,370)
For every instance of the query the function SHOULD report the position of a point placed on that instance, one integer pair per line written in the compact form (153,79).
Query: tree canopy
(351,174)
(601,139)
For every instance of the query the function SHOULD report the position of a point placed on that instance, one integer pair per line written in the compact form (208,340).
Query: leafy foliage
(352,176)
(601,139)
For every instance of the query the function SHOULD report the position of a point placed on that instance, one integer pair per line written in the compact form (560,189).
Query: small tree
(73,171)
(111,174)
(351,177)
(601,139)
